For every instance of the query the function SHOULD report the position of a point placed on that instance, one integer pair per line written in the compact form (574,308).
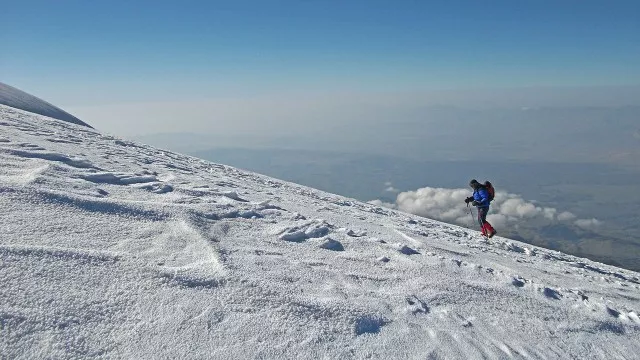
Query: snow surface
(112,249)
(19,99)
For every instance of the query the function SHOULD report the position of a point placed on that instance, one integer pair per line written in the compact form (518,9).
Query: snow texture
(19,99)
(111,249)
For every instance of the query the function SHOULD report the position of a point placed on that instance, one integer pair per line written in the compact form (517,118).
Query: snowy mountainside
(19,99)
(113,249)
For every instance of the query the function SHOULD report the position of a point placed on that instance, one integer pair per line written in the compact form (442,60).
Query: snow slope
(19,99)
(112,249)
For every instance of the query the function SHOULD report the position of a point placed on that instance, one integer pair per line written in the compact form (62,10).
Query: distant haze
(302,113)
(544,134)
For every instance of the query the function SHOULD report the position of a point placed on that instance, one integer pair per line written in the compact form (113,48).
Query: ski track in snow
(112,249)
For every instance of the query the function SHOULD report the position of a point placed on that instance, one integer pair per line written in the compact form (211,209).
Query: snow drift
(113,249)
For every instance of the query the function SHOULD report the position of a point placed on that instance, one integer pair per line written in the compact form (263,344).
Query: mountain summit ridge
(16,98)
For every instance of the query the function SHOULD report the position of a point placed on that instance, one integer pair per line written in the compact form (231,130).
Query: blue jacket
(482,197)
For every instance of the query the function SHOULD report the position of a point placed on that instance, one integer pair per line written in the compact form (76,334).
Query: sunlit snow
(113,249)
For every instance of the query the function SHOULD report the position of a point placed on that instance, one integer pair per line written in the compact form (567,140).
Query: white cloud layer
(566,216)
(507,209)
(588,224)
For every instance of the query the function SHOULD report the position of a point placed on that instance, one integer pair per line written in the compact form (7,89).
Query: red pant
(487,229)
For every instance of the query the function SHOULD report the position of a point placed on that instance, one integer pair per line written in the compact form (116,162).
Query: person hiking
(481,199)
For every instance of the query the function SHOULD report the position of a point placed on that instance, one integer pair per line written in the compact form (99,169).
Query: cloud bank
(506,210)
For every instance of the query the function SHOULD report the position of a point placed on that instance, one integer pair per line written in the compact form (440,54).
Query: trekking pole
(479,218)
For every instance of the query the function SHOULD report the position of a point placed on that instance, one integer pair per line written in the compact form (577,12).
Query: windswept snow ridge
(110,249)
(19,99)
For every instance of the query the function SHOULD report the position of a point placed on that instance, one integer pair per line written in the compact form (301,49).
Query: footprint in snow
(156,187)
(369,325)
(331,244)
(584,298)
(297,216)
(628,316)
(404,249)
(314,229)
(233,195)
(613,312)
(417,306)
(353,233)
(509,246)
(517,282)
(551,293)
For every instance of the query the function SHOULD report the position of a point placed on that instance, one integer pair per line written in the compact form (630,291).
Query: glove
(475,203)
(468,200)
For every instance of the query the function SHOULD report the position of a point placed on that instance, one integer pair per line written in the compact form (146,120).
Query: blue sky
(214,48)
